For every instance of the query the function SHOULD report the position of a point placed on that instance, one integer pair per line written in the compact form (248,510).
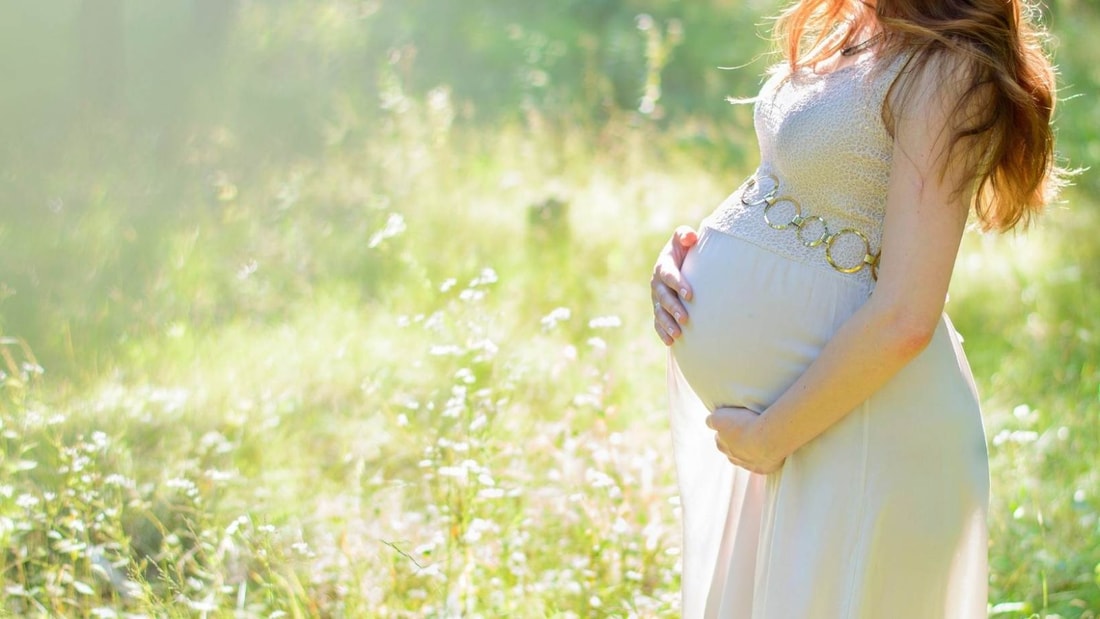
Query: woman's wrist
(770,439)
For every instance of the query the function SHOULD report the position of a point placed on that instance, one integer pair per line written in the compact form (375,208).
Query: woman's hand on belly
(668,286)
(736,434)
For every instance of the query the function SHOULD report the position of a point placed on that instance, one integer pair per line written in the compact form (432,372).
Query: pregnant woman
(827,433)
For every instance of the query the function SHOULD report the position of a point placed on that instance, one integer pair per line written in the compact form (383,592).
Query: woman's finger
(670,304)
(667,302)
(685,236)
(662,332)
(668,271)
(683,239)
(721,447)
(666,323)
(665,291)
(742,464)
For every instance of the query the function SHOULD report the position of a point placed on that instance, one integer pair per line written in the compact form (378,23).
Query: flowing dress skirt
(883,515)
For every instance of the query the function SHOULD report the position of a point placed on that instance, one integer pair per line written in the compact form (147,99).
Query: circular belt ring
(768,197)
(795,221)
(820,239)
(869,259)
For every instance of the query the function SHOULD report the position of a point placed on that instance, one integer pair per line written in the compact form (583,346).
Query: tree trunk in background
(206,57)
(213,21)
(196,86)
(102,57)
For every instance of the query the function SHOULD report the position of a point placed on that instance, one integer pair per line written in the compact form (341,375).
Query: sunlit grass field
(409,371)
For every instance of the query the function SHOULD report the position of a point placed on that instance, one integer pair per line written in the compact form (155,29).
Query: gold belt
(800,223)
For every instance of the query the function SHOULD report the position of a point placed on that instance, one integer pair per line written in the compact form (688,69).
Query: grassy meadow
(341,309)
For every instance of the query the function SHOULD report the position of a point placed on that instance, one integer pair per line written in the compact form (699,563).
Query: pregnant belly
(756,321)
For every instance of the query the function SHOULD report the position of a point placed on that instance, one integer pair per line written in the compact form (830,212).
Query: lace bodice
(822,138)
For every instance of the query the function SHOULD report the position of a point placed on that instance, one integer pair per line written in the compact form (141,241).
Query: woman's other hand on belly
(737,436)
(668,286)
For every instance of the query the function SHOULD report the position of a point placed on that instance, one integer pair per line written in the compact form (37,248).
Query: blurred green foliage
(126,121)
(123,120)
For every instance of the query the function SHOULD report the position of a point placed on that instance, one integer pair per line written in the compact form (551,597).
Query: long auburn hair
(1001,131)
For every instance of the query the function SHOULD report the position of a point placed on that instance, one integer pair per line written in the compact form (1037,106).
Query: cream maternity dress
(883,515)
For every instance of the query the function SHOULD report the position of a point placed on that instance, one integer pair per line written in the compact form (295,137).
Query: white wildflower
(558,314)
(216,475)
(478,423)
(479,527)
(598,479)
(471,295)
(457,472)
(236,525)
(445,350)
(1023,437)
(620,527)
(395,225)
(486,349)
(487,276)
(605,322)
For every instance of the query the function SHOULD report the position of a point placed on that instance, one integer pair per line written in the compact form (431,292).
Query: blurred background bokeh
(340,307)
